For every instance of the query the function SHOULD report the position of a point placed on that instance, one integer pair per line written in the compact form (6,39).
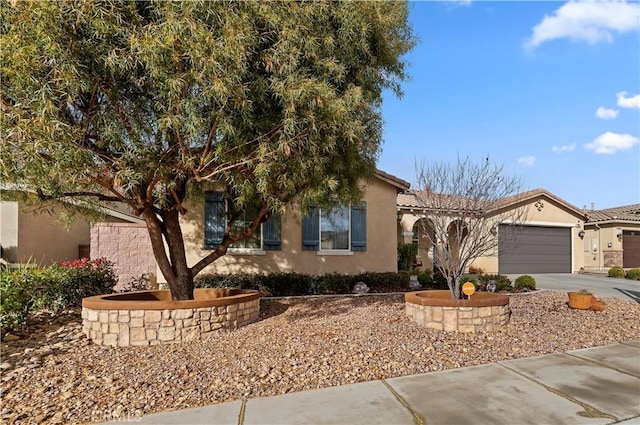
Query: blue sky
(550,90)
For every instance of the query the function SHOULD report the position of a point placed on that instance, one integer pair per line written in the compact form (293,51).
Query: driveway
(599,285)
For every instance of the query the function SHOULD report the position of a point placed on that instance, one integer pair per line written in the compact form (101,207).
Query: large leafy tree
(149,103)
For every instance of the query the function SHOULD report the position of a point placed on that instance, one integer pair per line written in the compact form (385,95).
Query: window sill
(246,251)
(335,253)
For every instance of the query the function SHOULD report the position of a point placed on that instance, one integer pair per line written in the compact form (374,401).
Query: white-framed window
(335,228)
(241,223)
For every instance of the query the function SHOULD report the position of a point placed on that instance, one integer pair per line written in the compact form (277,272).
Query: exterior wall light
(581,234)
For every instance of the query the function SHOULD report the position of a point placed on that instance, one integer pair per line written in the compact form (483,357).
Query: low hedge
(289,284)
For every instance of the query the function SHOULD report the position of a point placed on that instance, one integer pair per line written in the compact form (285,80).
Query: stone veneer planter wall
(485,311)
(151,317)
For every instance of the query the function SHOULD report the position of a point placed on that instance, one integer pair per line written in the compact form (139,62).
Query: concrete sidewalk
(599,385)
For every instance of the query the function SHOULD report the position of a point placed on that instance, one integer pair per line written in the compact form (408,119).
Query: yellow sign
(468,288)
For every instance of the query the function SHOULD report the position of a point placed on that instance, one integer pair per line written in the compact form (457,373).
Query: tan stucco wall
(602,248)
(549,214)
(43,240)
(380,256)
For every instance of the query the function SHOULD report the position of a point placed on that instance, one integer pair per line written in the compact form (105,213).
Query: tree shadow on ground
(271,308)
(306,308)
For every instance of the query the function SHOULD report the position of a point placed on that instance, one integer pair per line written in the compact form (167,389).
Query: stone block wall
(612,258)
(128,246)
(123,328)
(460,319)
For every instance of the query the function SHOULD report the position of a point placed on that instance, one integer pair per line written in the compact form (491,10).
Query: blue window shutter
(311,231)
(214,219)
(359,227)
(271,231)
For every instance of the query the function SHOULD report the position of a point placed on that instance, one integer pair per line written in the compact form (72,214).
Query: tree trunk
(174,268)
(182,285)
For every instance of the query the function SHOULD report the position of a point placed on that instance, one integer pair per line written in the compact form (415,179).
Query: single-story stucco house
(548,242)
(612,238)
(349,239)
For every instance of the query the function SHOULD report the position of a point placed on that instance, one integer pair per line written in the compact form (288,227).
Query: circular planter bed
(152,317)
(485,311)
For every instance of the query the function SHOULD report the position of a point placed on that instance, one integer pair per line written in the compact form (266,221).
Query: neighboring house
(612,238)
(548,242)
(42,239)
(349,239)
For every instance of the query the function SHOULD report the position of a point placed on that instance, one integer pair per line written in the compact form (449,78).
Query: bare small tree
(464,204)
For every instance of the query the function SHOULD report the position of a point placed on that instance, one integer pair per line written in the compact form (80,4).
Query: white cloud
(565,148)
(527,161)
(610,143)
(592,22)
(606,114)
(628,102)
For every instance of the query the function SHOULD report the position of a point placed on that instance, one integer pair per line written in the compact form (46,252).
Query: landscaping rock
(298,344)
(360,288)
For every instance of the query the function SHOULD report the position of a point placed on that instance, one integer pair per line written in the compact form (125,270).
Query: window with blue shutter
(359,227)
(271,231)
(267,237)
(214,219)
(311,231)
(340,229)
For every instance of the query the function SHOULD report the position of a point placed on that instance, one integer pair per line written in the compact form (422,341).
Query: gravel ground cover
(53,374)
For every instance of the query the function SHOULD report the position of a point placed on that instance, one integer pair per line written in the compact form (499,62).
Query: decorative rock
(414,284)
(291,349)
(360,288)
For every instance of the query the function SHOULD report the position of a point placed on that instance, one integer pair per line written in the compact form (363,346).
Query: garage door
(534,249)
(630,249)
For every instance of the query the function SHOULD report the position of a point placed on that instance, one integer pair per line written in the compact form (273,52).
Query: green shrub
(525,281)
(633,274)
(53,288)
(425,278)
(71,281)
(502,282)
(406,256)
(17,302)
(616,271)
(468,278)
(439,281)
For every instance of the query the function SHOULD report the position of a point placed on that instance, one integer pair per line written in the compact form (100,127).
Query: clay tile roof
(413,200)
(400,184)
(617,214)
